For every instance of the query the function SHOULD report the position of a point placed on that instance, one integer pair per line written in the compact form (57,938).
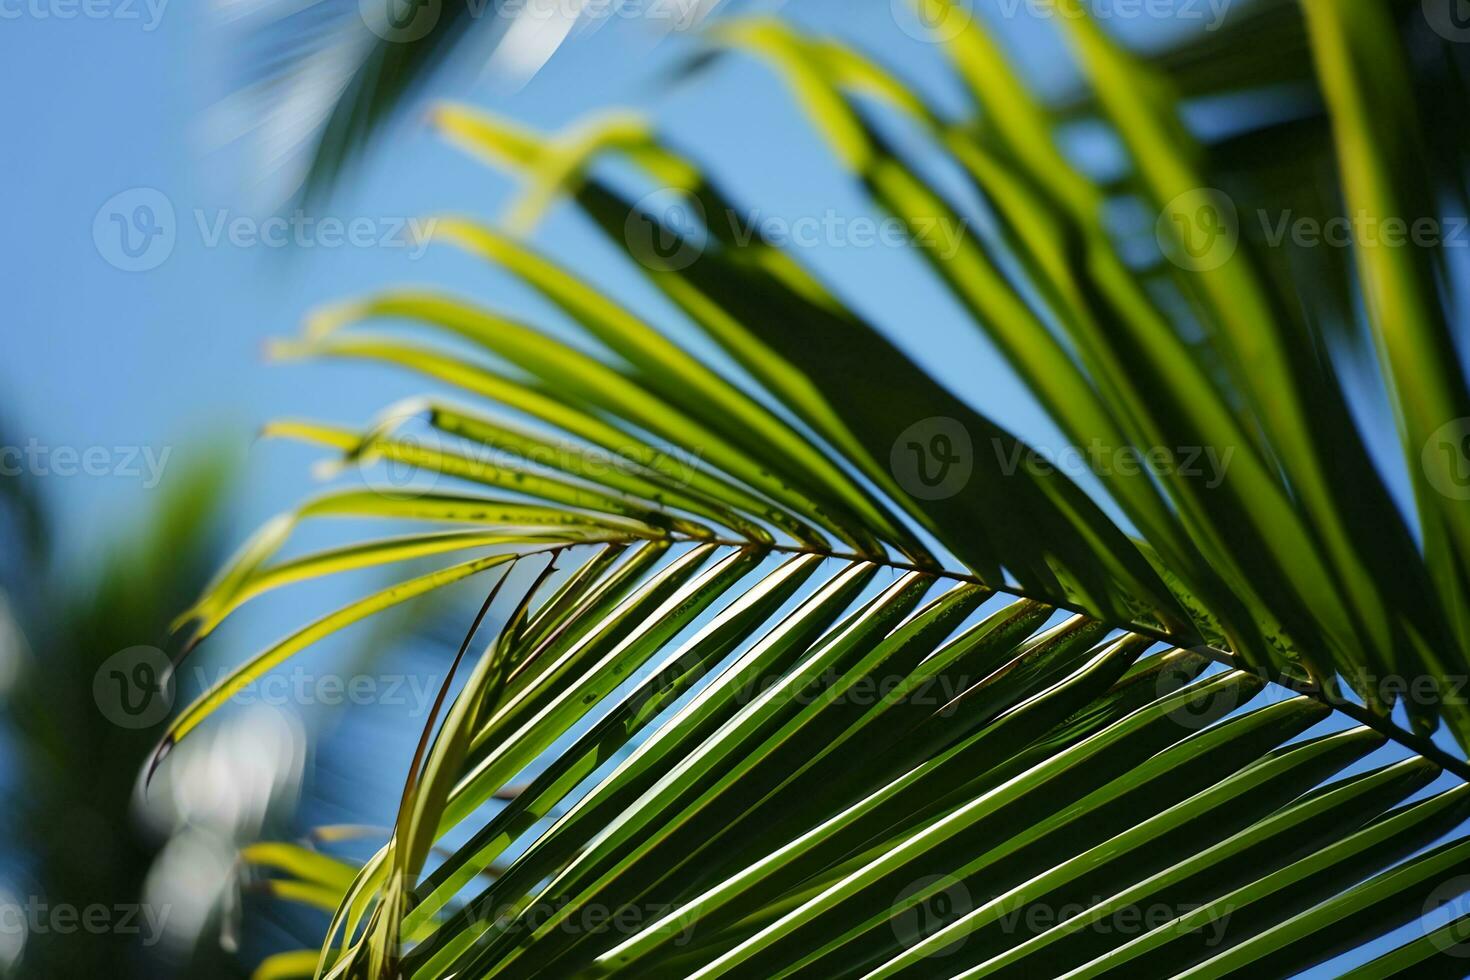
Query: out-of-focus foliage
(322,80)
(77,836)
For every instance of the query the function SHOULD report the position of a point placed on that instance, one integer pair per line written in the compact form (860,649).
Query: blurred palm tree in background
(85,838)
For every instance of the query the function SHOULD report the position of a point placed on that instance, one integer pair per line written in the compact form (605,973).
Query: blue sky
(152,361)
(98,356)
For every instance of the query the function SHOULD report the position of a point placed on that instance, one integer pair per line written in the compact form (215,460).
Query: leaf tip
(159,754)
(328,319)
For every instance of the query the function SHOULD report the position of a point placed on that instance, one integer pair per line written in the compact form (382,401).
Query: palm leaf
(788,706)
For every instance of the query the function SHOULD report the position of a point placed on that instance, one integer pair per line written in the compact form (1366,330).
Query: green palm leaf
(787,705)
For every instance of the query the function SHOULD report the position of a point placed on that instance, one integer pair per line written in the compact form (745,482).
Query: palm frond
(322,80)
(781,703)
